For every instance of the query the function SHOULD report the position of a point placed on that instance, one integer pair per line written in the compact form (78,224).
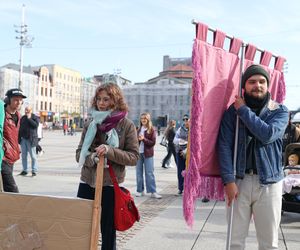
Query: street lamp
(24,40)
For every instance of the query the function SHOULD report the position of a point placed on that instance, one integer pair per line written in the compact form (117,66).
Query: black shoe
(23,173)
(163,166)
(33,173)
(205,200)
(179,193)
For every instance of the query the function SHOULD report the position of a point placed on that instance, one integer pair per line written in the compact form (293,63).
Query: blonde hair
(149,124)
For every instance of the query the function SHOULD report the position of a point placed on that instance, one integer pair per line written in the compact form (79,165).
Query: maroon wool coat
(149,142)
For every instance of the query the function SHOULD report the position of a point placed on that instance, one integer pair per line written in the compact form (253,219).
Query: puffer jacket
(10,139)
(125,155)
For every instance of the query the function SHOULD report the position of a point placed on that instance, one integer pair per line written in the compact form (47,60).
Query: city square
(162,225)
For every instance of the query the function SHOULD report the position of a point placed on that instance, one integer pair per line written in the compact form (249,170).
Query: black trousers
(108,231)
(171,151)
(9,184)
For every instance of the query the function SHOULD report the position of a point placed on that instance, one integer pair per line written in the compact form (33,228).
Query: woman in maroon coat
(147,138)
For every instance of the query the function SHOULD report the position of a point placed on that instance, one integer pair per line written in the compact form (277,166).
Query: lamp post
(24,40)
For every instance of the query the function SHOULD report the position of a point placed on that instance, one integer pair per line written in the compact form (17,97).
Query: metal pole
(229,226)
(22,37)
(231,37)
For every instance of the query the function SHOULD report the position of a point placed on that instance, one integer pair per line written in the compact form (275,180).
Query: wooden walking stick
(97,205)
(1,184)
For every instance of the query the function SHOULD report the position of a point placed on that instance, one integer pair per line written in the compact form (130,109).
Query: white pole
(229,226)
(22,38)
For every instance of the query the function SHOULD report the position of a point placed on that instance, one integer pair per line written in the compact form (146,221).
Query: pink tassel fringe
(195,185)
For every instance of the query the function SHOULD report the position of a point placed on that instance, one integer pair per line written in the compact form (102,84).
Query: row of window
(45,91)
(67,77)
(44,106)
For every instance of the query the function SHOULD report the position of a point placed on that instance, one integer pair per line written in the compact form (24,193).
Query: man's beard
(256,102)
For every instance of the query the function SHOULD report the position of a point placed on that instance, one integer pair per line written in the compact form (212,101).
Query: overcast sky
(101,36)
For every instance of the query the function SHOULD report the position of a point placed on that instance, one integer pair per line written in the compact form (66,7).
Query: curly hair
(115,93)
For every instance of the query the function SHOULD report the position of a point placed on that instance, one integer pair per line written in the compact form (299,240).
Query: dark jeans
(9,184)
(171,151)
(180,168)
(108,231)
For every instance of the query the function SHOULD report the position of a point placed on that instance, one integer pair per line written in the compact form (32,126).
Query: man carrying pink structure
(256,185)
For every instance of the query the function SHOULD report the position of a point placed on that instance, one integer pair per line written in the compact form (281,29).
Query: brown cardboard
(54,223)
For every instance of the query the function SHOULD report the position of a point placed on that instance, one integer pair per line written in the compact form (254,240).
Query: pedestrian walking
(180,142)
(256,184)
(147,138)
(13,103)
(169,136)
(65,128)
(39,150)
(28,139)
(113,135)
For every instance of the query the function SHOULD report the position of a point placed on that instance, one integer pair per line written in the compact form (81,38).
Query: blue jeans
(180,167)
(149,174)
(26,148)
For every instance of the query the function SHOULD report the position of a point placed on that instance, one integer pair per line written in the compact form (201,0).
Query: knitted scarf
(105,121)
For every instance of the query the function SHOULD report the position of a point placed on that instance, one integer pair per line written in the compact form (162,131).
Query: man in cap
(13,102)
(180,141)
(256,183)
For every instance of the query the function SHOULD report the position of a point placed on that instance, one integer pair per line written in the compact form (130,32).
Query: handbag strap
(112,175)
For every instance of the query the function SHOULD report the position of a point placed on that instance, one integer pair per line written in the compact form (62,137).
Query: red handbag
(125,211)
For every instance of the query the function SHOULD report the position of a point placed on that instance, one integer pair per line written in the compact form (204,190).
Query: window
(50,106)
(41,108)
(45,91)
(42,91)
(45,105)
(50,92)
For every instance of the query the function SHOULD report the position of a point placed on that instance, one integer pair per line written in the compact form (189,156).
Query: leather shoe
(23,173)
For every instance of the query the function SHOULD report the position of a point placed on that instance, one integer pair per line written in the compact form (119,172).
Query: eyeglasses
(185,119)
(104,99)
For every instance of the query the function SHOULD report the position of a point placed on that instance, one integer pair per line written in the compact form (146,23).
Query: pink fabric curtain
(215,83)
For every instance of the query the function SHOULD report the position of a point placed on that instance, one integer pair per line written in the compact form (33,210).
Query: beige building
(44,94)
(67,84)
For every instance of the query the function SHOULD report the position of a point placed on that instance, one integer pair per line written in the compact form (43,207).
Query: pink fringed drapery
(215,83)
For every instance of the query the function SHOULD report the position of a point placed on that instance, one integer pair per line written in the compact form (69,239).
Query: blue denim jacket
(267,128)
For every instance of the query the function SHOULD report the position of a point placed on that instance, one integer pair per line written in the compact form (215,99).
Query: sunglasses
(185,119)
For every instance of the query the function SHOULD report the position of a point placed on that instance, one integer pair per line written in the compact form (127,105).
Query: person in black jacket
(28,139)
(169,135)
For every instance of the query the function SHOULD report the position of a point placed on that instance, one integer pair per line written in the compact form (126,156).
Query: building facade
(44,95)
(66,94)
(169,62)
(88,89)
(9,78)
(164,99)
(115,78)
